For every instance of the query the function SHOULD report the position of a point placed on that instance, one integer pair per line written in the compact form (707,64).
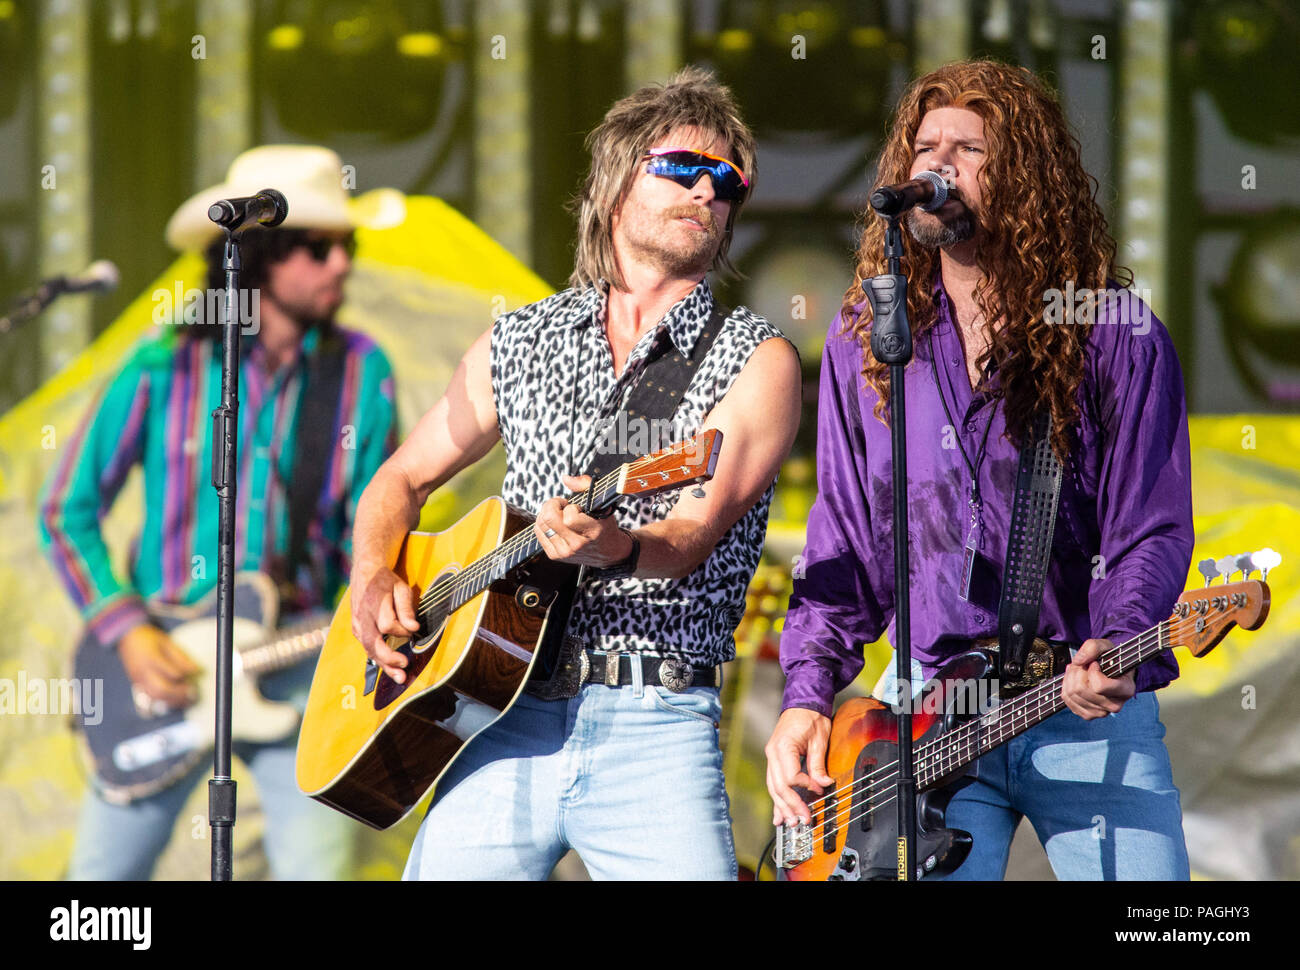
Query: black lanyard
(976,501)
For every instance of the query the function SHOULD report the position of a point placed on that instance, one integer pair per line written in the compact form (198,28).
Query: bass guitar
(490,606)
(139,746)
(853,832)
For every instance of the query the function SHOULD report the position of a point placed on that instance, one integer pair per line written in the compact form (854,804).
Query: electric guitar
(854,830)
(490,607)
(138,746)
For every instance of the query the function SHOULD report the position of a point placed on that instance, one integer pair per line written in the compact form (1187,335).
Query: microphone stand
(891,343)
(225,434)
(30,306)
(268,208)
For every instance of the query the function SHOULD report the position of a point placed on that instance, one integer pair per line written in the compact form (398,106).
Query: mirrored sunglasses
(685,167)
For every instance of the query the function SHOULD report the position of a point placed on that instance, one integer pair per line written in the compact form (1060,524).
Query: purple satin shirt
(1123,541)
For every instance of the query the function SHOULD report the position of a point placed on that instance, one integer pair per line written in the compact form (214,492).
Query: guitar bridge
(793,845)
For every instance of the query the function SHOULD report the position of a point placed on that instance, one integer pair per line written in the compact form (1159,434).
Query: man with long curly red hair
(996,344)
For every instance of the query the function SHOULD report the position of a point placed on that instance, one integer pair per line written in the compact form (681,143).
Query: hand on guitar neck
(801,736)
(567,534)
(384,605)
(1089,692)
(157,666)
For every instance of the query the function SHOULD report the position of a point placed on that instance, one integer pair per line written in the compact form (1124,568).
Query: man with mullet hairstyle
(1021,223)
(627,770)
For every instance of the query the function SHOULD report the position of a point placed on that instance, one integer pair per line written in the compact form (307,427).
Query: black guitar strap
(317,418)
(664,380)
(1029,548)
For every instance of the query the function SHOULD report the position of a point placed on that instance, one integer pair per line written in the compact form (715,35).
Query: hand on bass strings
(799,734)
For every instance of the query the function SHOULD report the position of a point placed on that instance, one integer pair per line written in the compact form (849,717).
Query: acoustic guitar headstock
(687,462)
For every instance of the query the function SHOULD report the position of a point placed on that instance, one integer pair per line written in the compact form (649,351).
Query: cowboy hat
(311,179)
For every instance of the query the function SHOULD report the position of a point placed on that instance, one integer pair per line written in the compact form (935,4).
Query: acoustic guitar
(491,606)
(854,829)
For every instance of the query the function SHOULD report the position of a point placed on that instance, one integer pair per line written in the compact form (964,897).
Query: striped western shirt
(157,412)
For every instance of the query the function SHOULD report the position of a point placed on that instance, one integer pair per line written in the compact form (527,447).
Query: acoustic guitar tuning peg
(1265,559)
(1208,569)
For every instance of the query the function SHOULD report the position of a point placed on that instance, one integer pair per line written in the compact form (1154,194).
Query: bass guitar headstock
(689,461)
(1202,617)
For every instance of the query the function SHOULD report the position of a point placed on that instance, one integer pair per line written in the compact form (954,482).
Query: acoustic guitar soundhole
(418,650)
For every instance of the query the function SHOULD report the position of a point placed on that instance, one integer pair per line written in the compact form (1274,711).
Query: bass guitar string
(879,785)
(1021,700)
(1041,699)
(1042,696)
(1019,712)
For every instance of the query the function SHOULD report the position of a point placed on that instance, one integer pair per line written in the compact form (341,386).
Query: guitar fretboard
(962,745)
(291,644)
(454,592)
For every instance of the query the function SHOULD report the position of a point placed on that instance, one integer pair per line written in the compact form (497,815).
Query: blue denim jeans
(630,777)
(1100,795)
(303,839)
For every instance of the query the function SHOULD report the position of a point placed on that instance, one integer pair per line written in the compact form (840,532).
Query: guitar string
(483,567)
(958,741)
(307,639)
(875,803)
(949,748)
(439,594)
(486,564)
(1010,705)
(251,656)
(1042,699)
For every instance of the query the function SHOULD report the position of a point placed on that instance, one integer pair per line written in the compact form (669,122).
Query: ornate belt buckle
(571,671)
(1039,663)
(676,675)
(611,668)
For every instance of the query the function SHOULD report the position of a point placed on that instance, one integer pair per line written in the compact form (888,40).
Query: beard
(934,231)
(657,239)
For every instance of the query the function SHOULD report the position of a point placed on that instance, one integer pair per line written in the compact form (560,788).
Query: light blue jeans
(303,839)
(629,777)
(1100,795)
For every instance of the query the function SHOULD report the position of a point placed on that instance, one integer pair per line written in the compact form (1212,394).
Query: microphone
(267,208)
(929,190)
(101,276)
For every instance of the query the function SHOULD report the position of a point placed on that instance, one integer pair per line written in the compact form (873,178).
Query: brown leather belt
(1045,659)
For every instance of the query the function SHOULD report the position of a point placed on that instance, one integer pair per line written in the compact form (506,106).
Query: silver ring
(550,533)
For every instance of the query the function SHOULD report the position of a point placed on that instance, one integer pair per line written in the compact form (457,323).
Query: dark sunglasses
(685,167)
(320,248)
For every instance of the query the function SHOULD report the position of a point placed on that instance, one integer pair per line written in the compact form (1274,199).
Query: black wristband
(627,565)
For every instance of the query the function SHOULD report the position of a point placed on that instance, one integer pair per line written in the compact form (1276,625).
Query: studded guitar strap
(667,375)
(665,379)
(1029,548)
